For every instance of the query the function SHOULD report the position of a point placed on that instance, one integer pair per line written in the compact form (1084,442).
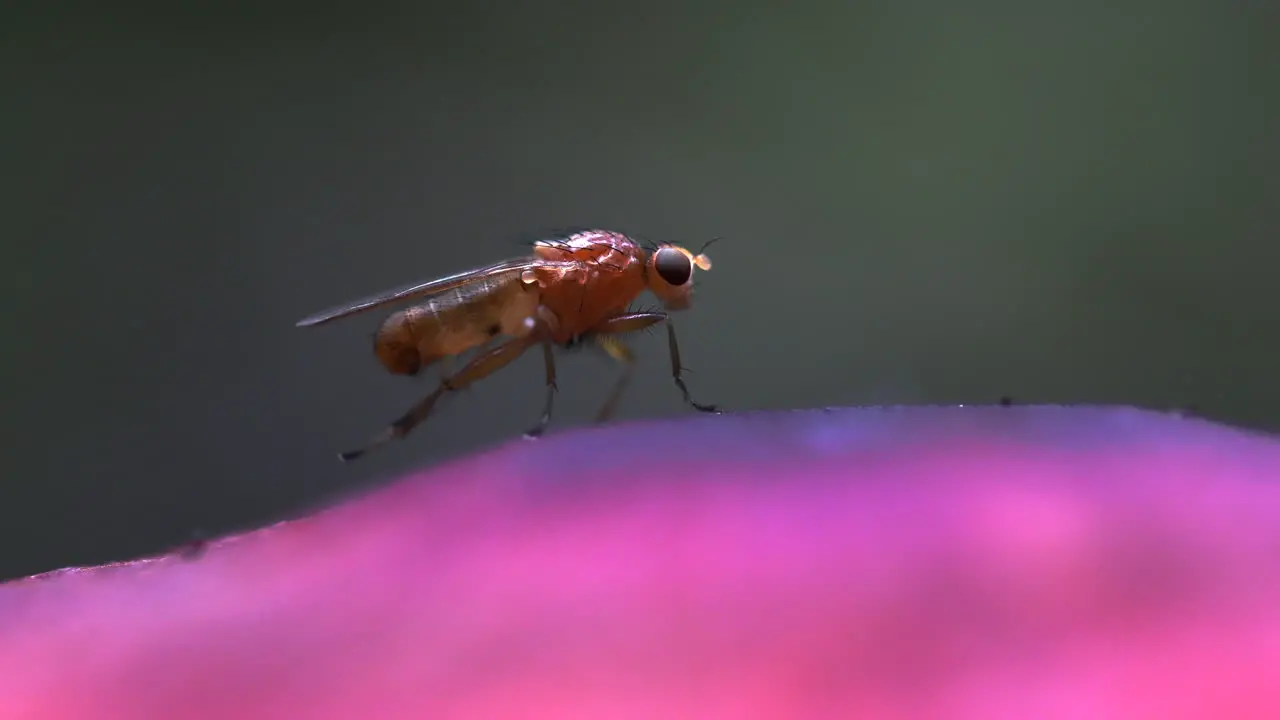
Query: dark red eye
(673,266)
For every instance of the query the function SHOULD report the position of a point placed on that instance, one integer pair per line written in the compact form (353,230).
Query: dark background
(920,203)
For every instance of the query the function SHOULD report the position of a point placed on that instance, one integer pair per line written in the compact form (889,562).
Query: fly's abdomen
(396,342)
(416,337)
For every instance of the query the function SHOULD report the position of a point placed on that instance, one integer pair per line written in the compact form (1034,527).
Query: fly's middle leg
(606,335)
(541,328)
(619,351)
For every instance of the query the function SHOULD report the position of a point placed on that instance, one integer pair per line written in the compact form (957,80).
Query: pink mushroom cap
(1018,563)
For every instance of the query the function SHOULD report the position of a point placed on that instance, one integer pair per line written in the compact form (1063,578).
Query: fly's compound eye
(673,266)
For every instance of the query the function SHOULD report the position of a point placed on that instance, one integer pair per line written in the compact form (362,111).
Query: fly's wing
(479,282)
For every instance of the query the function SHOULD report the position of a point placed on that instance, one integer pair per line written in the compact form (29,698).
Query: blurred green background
(920,203)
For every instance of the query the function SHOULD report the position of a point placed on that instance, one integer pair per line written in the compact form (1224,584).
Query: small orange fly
(569,291)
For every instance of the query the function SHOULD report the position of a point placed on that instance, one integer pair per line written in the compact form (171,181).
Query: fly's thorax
(586,246)
(583,298)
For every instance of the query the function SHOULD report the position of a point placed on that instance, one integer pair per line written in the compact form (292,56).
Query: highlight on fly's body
(572,289)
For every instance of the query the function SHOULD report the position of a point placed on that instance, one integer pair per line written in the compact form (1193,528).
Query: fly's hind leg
(633,322)
(446,362)
(477,369)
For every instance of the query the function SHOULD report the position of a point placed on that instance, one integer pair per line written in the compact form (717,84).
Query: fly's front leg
(676,371)
(479,368)
(633,322)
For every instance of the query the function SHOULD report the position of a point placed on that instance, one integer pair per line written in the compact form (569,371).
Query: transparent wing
(484,281)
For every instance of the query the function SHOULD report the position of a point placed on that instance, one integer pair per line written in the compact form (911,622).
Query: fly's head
(669,271)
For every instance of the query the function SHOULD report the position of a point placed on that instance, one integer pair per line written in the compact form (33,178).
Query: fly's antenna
(700,259)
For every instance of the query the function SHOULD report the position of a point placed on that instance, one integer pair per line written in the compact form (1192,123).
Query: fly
(569,291)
